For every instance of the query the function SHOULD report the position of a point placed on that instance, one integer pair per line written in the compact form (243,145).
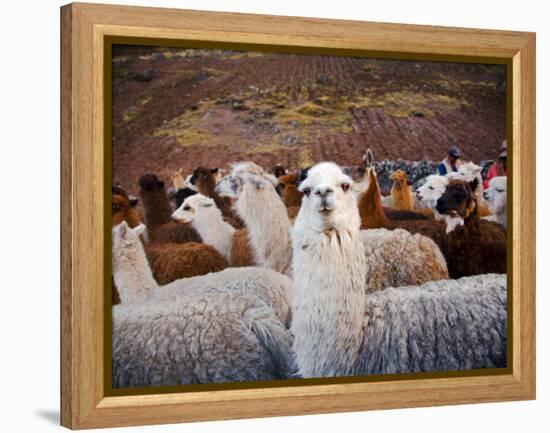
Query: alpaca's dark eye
(116,207)
(187,208)
(345,187)
(500,190)
(431,187)
(306,191)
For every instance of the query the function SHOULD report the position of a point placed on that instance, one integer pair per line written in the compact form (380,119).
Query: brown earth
(177,108)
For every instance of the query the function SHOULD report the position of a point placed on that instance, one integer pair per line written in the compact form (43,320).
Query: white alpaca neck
(214,230)
(132,273)
(266,218)
(328,301)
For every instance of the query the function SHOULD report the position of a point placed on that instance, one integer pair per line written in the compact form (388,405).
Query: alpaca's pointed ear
(133,201)
(214,170)
(122,231)
(474,184)
(369,158)
(139,229)
(207,202)
(160,183)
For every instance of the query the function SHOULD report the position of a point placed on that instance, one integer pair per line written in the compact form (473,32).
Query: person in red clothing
(499,167)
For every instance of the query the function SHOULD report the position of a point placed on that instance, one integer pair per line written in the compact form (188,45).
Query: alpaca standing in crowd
(340,330)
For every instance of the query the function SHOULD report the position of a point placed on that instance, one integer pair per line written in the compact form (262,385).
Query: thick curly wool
(398,258)
(440,326)
(198,338)
(273,288)
(265,215)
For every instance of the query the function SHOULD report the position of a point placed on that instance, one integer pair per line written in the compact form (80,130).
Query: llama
(476,246)
(419,259)
(160,227)
(340,329)
(205,181)
(265,215)
(495,196)
(206,218)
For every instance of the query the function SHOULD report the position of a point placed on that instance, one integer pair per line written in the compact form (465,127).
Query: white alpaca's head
(328,202)
(495,194)
(195,206)
(466,172)
(125,237)
(430,192)
(232,185)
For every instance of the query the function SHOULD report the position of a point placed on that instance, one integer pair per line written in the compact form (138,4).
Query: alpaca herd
(247,275)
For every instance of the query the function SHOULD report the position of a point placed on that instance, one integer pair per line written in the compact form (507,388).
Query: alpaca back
(398,258)
(440,326)
(171,261)
(198,338)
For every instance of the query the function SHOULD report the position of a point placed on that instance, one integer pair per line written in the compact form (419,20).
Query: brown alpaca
(170,262)
(477,246)
(205,181)
(241,251)
(373,216)
(401,194)
(290,194)
(158,212)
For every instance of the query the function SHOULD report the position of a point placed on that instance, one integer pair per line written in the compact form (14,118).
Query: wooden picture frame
(85,28)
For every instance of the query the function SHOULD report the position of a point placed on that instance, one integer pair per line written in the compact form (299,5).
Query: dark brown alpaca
(205,180)
(158,214)
(290,194)
(477,246)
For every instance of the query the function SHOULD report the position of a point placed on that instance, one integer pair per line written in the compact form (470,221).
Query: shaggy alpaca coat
(340,330)
(160,227)
(224,327)
(260,207)
(197,338)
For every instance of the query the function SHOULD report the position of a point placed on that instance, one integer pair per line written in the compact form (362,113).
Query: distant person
(451,163)
(499,168)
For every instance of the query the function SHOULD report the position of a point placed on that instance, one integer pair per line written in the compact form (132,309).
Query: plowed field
(177,108)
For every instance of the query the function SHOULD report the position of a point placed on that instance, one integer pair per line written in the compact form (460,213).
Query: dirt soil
(177,108)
